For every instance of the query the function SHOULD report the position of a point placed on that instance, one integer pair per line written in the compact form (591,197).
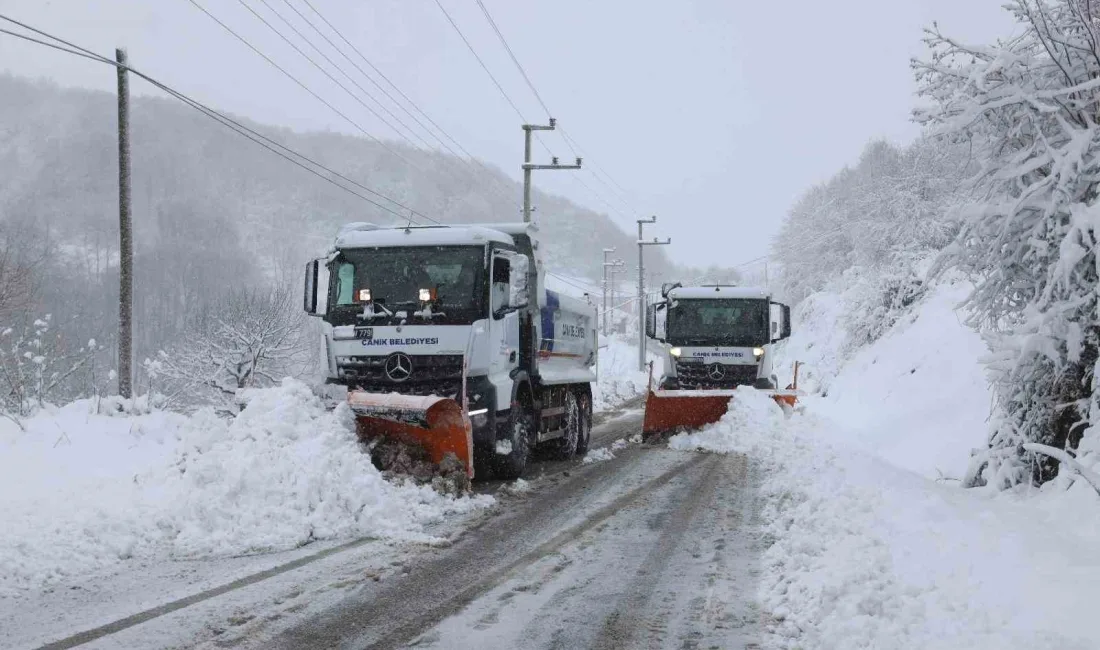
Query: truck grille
(693,376)
(432,374)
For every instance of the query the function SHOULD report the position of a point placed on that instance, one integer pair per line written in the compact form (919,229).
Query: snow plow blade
(438,424)
(672,410)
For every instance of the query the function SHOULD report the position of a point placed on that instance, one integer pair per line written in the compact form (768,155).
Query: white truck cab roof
(365,235)
(719,292)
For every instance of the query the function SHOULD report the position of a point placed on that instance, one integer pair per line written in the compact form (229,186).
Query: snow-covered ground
(619,379)
(864,547)
(917,397)
(85,491)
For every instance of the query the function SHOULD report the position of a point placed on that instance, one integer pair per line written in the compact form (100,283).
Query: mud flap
(438,424)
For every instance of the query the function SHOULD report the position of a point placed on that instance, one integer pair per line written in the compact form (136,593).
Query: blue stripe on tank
(547,312)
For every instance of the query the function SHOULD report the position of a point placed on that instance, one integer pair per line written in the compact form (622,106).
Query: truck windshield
(394,277)
(732,322)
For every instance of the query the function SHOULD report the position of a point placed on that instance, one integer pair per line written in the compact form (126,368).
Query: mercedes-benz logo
(398,366)
(716,371)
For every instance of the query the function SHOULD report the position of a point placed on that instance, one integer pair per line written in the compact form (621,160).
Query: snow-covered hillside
(864,547)
(917,397)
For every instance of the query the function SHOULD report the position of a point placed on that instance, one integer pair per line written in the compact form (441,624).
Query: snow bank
(862,554)
(917,397)
(84,491)
(619,379)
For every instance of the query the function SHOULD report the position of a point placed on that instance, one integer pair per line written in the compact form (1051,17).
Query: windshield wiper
(425,313)
(373,313)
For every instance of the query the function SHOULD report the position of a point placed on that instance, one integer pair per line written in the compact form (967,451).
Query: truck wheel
(565,448)
(586,425)
(520,425)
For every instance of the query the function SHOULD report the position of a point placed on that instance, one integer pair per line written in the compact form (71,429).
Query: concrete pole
(528,166)
(126,238)
(641,287)
(526,173)
(606,265)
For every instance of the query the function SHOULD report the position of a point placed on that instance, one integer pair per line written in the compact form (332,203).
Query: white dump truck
(719,337)
(447,337)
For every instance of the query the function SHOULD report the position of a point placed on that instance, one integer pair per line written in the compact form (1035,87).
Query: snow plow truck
(446,338)
(719,337)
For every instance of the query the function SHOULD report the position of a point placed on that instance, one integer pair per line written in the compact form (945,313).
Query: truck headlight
(479,417)
(759,352)
(425,295)
(675,351)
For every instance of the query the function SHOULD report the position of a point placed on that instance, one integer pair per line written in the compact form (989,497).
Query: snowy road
(640,546)
(648,550)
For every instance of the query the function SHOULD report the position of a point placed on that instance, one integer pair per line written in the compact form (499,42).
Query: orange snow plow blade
(671,410)
(436,423)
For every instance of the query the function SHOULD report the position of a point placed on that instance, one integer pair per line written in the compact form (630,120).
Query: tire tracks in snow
(443,587)
(634,611)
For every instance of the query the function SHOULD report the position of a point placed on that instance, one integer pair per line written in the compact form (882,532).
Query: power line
(538,96)
(326,73)
(572,283)
(508,48)
(56,47)
(482,63)
(295,80)
(494,185)
(285,21)
(401,93)
(227,121)
(609,182)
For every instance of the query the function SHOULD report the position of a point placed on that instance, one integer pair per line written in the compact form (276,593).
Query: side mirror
(518,295)
(310,294)
(785,330)
(651,321)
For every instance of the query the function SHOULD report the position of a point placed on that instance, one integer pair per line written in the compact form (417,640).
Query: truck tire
(586,424)
(520,426)
(565,447)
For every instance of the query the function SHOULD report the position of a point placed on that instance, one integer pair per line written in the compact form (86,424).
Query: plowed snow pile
(82,491)
(859,553)
(618,374)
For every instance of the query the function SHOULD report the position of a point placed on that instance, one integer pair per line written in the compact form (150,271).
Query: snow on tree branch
(1028,107)
(242,339)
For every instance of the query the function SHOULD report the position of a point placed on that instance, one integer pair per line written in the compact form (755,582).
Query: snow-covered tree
(38,366)
(244,338)
(1028,106)
(883,214)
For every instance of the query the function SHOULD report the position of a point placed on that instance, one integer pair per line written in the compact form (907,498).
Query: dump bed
(567,351)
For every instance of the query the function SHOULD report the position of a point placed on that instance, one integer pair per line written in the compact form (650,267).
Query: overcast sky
(712,114)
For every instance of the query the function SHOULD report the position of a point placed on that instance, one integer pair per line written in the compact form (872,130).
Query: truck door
(504,321)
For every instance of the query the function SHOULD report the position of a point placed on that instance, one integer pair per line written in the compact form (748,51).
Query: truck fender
(520,380)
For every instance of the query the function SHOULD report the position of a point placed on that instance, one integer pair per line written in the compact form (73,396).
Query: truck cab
(428,310)
(718,336)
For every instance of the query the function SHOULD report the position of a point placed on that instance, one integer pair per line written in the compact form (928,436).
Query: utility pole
(606,264)
(641,286)
(617,266)
(604,287)
(125,234)
(528,166)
